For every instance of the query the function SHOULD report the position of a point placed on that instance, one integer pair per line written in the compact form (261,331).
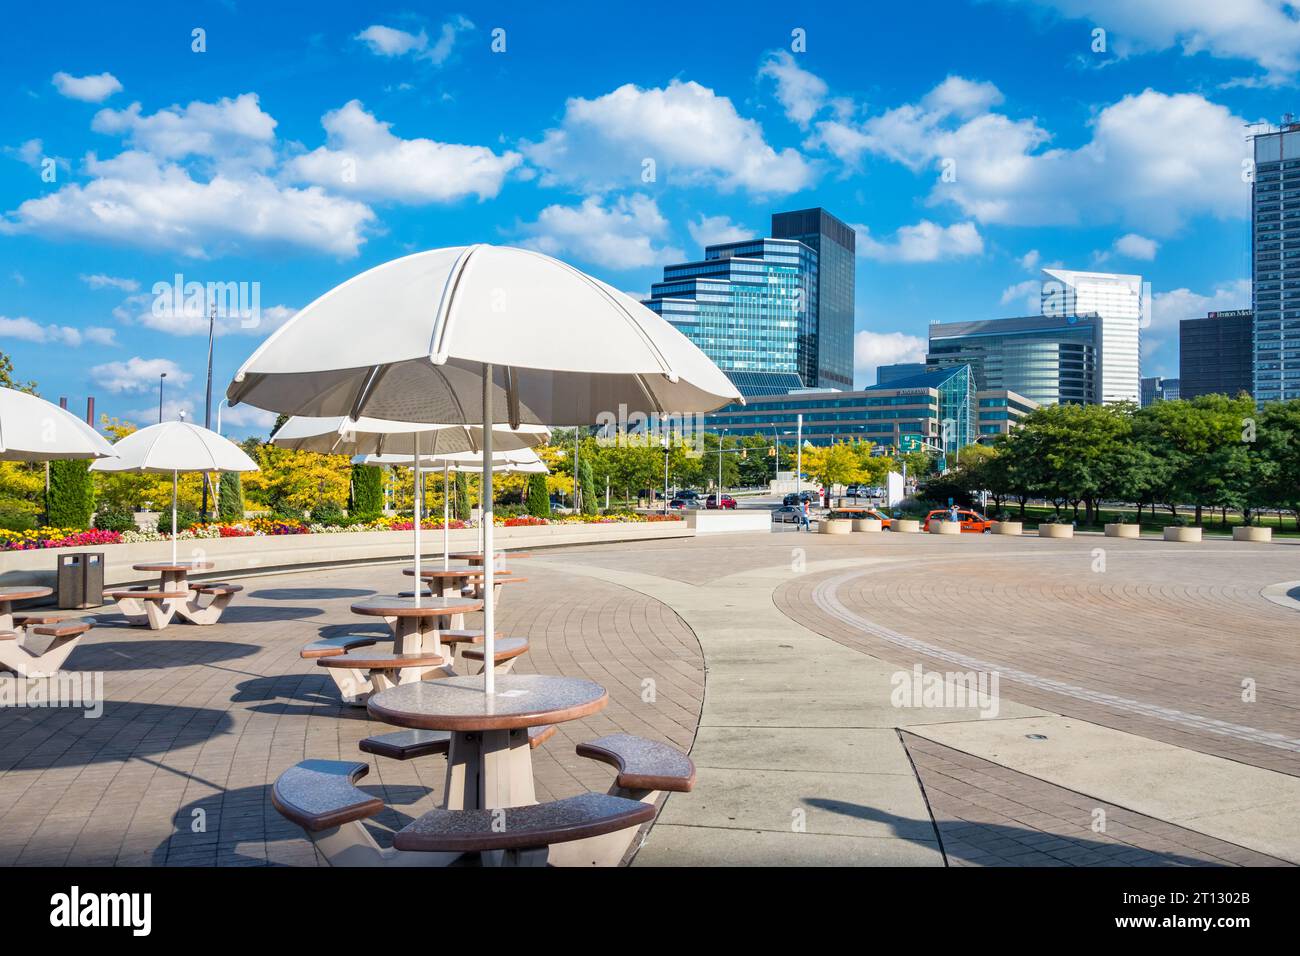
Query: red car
(727,501)
(971,521)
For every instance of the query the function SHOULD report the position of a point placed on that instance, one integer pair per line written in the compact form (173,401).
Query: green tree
(1276,451)
(230,497)
(539,499)
(460,497)
(587,482)
(71,498)
(366,498)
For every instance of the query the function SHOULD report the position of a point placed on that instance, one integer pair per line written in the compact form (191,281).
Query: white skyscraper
(1117,300)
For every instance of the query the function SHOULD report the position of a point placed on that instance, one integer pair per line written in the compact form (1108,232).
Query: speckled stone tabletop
(459,703)
(391,606)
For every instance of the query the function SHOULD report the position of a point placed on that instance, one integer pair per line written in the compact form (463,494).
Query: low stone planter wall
(834,526)
(1056,531)
(1123,530)
(905,525)
(1186,535)
(240,556)
(945,527)
(867,524)
(1008,527)
(1252,533)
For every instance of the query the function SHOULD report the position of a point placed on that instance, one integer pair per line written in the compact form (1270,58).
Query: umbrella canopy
(480,334)
(176,447)
(565,347)
(367,436)
(32,429)
(524,461)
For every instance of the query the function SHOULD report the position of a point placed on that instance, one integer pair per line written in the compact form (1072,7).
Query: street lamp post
(665,475)
(161,376)
(207,407)
(798,468)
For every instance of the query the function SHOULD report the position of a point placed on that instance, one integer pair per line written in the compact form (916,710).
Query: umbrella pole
(415,510)
(173,516)
(489,562)
(446,514)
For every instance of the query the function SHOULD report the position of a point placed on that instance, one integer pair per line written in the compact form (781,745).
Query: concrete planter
(1008,527)
(1187,535)
(1121,530)
(867,524)
(1252,533)
(1056,531)
(945,527)
(906,525)
(834,526)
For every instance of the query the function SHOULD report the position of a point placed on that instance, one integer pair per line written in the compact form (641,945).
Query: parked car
(727,502)
(787,514)
(810,496)
(854,491)
(971,521)
(685,504)
(687,495)
(866,511)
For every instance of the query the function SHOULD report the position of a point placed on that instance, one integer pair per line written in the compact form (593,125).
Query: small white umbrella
(175,447)
(475,334)
(32,429)
(524,461)
(343,435)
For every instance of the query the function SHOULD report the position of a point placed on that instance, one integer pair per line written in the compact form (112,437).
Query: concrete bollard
(867,524)
(1123,530)
(834,526)
(1186,535)
(945,527)
(1008,527)
(1056,531)
(906,525)
(1252,533)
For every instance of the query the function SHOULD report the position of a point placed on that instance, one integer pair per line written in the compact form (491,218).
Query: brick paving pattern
(198,722)
(988,815)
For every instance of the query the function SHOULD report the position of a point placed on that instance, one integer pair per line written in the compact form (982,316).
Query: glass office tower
(1048,359)
(1216,354)
(1117,301)
(751,307)
(1275,255)
(829,361)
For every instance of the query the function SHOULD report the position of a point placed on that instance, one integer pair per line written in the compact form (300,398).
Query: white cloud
(26,330)
(873,349)
(692,136)
(237,130)
(1169,308)
(88,89)
(620,236)
(1154,160)
(1266,32)
(923,242)
(710,230)
(1136,247)
(246,416)
(958,96)
(392,42)
(101,281)
(365,159)
(137,374)
(1029,261)
(133,198)
(802,94)
(1027,294)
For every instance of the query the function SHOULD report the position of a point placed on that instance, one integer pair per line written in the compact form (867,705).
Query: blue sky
(308,142)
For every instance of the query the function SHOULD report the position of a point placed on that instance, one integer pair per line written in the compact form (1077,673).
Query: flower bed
(75,538)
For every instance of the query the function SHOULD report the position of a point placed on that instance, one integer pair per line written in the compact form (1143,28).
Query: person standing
(803,515)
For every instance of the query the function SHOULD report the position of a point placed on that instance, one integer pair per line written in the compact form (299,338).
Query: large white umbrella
(175,447)
(480,333)
(364,435)
(524,461)
(32,429)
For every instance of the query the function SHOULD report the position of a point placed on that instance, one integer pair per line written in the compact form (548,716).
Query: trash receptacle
(81,580)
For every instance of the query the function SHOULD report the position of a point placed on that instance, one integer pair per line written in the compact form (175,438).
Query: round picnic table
(448,582)
(416,624)
(489,763)
(174,575)
(476,557)
(10,595)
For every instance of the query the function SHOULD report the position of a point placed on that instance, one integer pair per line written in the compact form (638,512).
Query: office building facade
(1049,360)
(998,410)
(833,307)
(935,409)
(892,373)
(751,307)
(1159,389)
(1275,264)
(1116,300)
(1216,354)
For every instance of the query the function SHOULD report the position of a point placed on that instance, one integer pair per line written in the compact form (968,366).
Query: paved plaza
(1148,711)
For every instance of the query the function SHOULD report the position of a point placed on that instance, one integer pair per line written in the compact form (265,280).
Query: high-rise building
(1117,301)
(833,307)
(1000,410)
(1275,260)
(751,307)
(1216,354)
(1047,359)
(935,409)
(1159,389)
(892,373)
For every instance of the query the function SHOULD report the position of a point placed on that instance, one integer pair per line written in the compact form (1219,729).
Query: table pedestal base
(489,769)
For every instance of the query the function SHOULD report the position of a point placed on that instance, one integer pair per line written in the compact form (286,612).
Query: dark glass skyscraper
(1215,354)
(827,360)
(1275,247)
